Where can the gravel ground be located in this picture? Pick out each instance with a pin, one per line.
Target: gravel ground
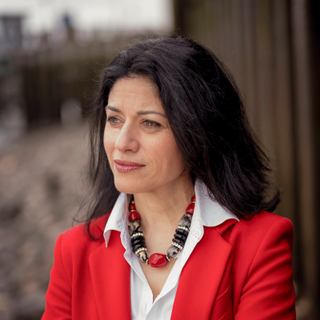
(42, 184)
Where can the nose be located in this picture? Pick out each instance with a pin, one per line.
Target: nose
(127, 139)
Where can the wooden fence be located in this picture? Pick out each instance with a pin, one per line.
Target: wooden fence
(272, 48)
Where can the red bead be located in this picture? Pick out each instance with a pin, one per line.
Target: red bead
(132, 206)
(134, 215)
(190, 208)
(193, 199)
(158, 260)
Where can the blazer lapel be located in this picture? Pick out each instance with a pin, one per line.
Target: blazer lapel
(111, 279)
(201, 277)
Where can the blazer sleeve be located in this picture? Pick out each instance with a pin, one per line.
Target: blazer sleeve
(58, 297)
(268, 292)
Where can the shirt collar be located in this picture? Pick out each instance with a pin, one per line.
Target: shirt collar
(208, 212)
(118, 219)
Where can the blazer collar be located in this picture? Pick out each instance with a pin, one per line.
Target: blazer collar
(110, 275)
(208, 265)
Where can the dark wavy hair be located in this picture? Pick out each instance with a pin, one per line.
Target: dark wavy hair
(206, 116)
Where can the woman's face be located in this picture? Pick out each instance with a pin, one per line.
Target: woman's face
(139, 143)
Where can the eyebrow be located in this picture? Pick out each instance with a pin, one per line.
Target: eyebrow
(139, 113)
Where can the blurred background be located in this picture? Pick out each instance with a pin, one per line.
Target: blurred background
(51, 56)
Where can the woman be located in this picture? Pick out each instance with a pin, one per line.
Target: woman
(180, 228)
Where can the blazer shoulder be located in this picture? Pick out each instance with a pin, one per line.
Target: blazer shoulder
(258, 226)
(247, 236)
(77, 238)
(263, 223)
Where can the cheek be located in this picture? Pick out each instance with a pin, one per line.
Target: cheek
(168, 152)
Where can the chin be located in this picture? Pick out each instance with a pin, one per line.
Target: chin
(134, 185)
(129, 187)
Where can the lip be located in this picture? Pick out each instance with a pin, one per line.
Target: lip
(127, 166)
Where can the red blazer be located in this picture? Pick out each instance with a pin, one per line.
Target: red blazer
(239, 270)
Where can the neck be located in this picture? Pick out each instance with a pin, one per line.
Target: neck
(165, 206)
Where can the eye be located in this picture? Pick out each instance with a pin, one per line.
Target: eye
(113, 120)
(151, 124)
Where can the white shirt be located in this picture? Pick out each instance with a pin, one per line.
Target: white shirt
(207, 212)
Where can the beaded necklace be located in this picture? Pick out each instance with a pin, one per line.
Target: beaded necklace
(138, 245)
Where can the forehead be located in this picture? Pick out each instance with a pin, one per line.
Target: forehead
(140, 91)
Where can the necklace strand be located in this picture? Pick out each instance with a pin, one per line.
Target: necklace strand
(138, 244)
